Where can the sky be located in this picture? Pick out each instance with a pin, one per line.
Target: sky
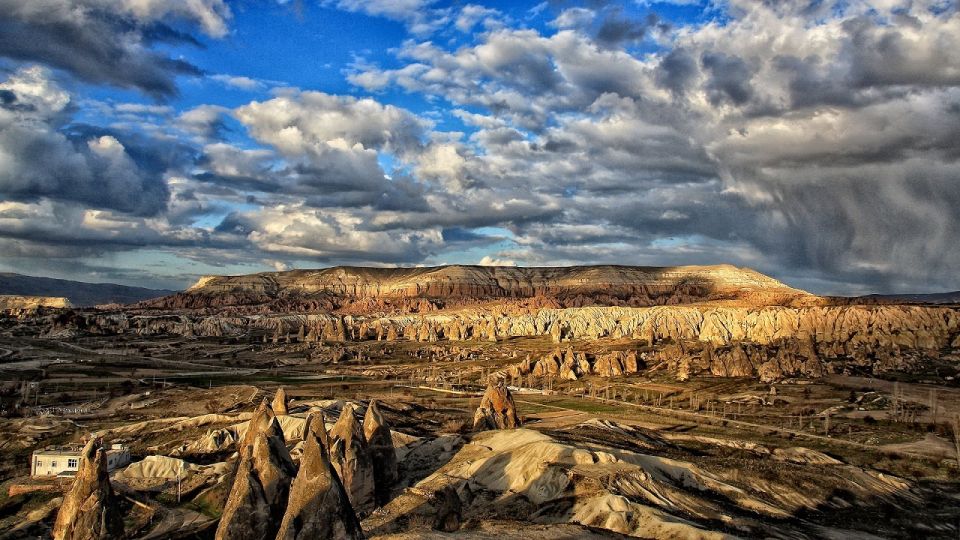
(149, 142)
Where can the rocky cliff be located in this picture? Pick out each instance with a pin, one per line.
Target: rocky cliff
(768, 342)
(16, 303)
(365, 290)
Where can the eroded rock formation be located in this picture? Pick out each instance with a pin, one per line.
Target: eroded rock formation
(318, 506)
(382, 453)
(352, 461)
(89, 510)
(258, 498)
(280, 402)
(497, 409)
(422, 289)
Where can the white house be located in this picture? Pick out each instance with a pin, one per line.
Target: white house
(65, 460)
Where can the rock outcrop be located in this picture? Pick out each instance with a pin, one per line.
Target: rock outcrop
(258, 498)
(383, 454)
(280, 402)
(318, 506)
(352, 461)
(769, 343)
(449, 509)
(89, 510)
(497, 409)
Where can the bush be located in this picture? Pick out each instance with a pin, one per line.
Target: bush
(455, 425)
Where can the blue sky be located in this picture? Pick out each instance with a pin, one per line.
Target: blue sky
(148, 142)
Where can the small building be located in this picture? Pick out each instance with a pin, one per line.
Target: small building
(65, 460)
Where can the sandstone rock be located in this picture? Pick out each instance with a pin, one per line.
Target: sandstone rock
(608, 365)
(318, 506)
(89, 510)
(448, 509)
(247, 514)
(410, 288)
(497, 409)
(258, 498)
(384, 456)
(280, 402)
(352, 461)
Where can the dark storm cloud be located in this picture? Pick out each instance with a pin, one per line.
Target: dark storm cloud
(677, 71)
(95, 45)
(616, 29)
(729, 78)
(94, 170)
(892, 55)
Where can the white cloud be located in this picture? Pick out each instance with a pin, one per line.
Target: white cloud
(490, 261)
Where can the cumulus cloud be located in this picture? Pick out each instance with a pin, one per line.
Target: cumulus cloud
(40, 160)
(490, 261)
(325, 235)
(421, 17)
(796, 136)
(817, 140)
(108, 41)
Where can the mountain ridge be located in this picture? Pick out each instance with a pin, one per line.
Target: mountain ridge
(365, 289)
(79, 293)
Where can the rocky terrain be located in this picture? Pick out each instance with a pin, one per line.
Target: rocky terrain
(90, 509)
(554, 477)
(365, 290)
(593, 402)
(17, 305)
(770, 343)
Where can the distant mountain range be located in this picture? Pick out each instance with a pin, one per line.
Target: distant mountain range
(77, 292)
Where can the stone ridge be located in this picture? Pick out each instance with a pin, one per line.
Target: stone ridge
(333, 288)
(18, 302)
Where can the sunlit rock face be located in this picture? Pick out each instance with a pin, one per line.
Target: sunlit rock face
(258, 498)
(358, 290)
(318, 506)
(497, 409)
(353, 461)
(717, 320)
(90, 509)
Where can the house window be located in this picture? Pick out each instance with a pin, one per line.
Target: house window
(72, 463)
(39, 463)
(53, 464)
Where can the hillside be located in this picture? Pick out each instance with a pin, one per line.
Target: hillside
(77, 292)
(20, 302)
(359, 289)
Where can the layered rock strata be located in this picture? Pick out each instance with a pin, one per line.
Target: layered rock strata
(357, 289)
